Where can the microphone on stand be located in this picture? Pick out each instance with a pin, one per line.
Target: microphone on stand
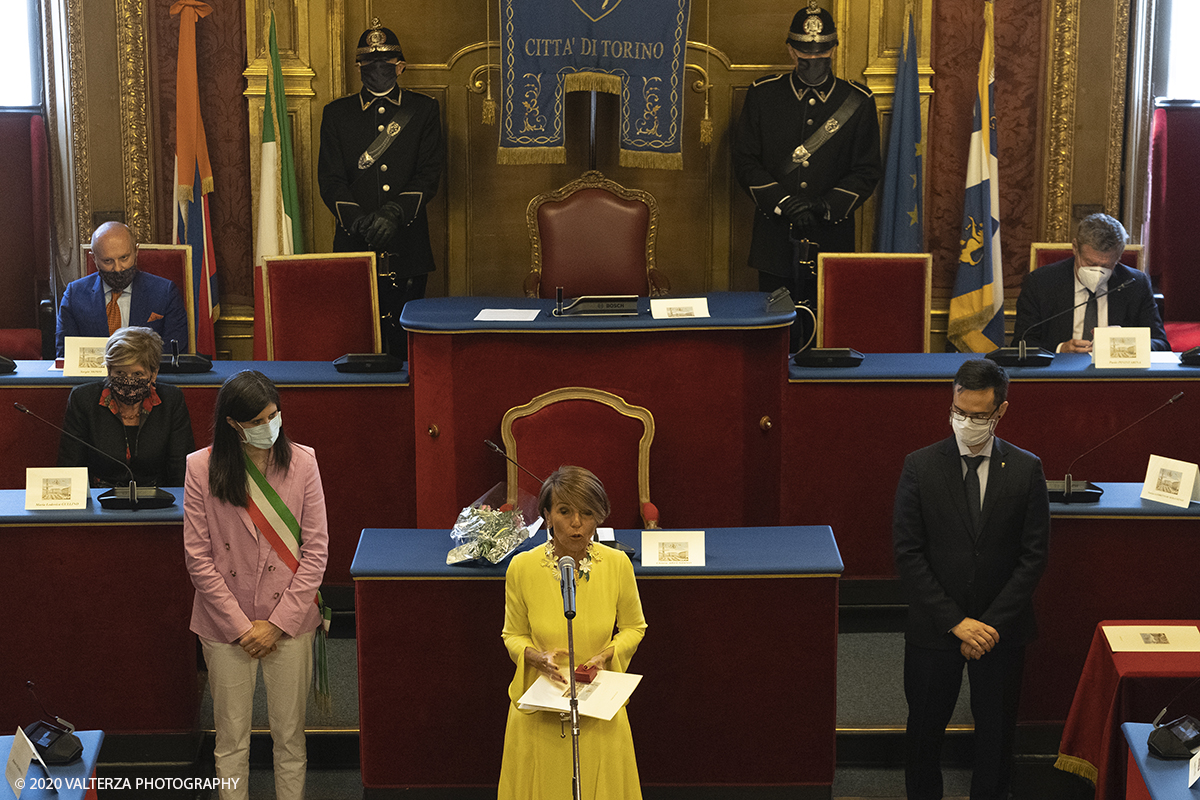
(493, 445)
(1020, 356)
(566, 576)
(1064, 491)
(151, 497)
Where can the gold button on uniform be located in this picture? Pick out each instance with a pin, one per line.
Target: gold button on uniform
(812, 101)
(383, 167)
(387, 188)
(379, 128)
(803, 184)
(380, 109)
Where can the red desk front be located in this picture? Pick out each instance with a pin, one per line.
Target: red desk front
(366, 467)
(712, 384)
(846, 432)
(1116, 688)
(99, 604)
(433, 673)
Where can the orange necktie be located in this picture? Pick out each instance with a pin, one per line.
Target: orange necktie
(114, 313)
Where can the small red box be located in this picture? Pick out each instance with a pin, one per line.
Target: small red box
(585, 674)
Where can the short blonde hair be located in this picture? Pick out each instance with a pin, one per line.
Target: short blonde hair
(578, 488)
(140, 346)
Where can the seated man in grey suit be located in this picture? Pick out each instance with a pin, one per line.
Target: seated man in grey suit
(1105, 291)
(119, 296)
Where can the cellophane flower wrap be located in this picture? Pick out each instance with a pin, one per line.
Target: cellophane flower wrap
(489, 529)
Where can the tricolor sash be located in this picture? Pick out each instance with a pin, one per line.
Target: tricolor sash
(278, 524)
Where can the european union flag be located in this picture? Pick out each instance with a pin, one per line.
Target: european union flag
(900, 228)
(977, 304)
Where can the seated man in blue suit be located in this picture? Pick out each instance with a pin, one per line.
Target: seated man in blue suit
(118, 295)
(1094, 281)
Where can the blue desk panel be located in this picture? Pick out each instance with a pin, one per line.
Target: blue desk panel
(1123, 500)
(942, 366)
(71, 780)
(412, 553)
(734, 310)
(1166, 780)
(12, 512)
(283, 373)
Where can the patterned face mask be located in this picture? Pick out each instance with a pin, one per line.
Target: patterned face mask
(128, 391)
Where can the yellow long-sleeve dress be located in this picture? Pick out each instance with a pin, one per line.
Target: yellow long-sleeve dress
(537, 761)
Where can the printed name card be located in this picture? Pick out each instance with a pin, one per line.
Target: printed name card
(49, 488)
(672, 548)
(1175, 483)
(1121, 348)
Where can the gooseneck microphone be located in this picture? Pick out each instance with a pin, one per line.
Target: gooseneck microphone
(156, 498)
(493, 445)
(1086, 493)
(1020, 356)
(566, 576)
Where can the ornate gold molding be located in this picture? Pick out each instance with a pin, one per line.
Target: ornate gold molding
(79, 119)
(1116, 117)
(1064, 33)
(135, 140)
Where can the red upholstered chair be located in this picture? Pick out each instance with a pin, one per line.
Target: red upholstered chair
(316, 307)
(170, 261)
(590, 428)
(1043, 253)
(874, 302)
(593, 236)
(21, 344)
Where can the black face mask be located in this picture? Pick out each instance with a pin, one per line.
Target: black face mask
(119, 280)
(813, 71)
(378, 76)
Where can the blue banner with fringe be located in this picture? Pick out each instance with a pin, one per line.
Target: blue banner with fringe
(634, 49)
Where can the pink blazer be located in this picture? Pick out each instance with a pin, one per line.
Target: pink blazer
(238, 577)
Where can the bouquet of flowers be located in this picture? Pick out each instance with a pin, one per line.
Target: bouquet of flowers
(490, 528)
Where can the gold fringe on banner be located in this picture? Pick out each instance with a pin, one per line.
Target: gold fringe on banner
(489, 105)
(531, 155)
(646, 160)
(1077, 766)
(592, 82)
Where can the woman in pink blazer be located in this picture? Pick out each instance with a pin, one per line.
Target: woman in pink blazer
(256, 543)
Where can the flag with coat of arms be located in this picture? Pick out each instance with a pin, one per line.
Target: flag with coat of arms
(977, 302)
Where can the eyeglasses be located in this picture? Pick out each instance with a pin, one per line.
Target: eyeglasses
(962, 417)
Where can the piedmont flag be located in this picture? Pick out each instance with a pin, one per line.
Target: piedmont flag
(192, 224)
(900, 229)
(279, 230)
(977, 304)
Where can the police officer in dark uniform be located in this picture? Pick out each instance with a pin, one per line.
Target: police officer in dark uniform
(380, 164)
(806, 149)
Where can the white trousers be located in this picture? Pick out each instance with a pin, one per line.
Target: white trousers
(232, 674)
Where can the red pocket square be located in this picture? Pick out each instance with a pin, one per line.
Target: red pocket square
(154, 317)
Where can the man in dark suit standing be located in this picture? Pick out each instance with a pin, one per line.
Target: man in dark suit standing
(971, 531)
(119, 295)
(379, 166)
(1093, 280)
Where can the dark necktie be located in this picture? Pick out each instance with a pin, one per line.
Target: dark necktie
(1091, 316)
(971, 482)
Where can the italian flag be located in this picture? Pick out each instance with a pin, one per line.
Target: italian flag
(279, 230)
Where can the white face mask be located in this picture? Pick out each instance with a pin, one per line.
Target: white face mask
(972, 432)
(263, 436)
(1094, 277)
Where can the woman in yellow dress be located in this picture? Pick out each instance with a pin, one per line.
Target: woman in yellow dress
(537, 761)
